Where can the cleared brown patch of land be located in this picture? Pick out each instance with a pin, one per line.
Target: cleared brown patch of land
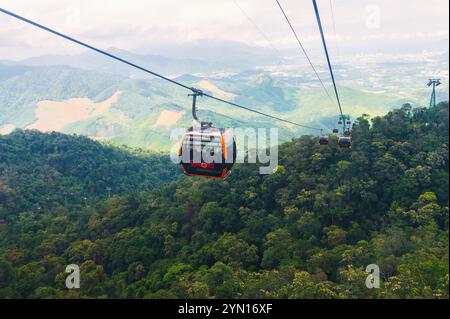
(55, 115)
(169, 118)
(208, 86)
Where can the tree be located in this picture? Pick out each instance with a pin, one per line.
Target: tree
(235, 252)
(334, 236)
(278, 248)
(425, 210)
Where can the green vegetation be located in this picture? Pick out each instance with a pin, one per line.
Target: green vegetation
(307, 231)
(131, 119)
(20, 92)
(46, 172)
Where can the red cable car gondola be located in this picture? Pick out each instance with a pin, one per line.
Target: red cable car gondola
(205, 150)
(208, 152)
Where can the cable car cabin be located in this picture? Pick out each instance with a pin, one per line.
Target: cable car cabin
(324, 140)
(345, 142)
(209, 152)
(335, 131)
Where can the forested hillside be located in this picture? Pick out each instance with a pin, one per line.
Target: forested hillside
(307, 231)
(48, 171)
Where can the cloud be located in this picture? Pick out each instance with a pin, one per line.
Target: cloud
(133, 24)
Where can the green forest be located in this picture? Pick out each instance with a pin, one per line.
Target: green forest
(139, 229)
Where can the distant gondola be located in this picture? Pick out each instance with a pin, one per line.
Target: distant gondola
(324, 140)
(345, 142)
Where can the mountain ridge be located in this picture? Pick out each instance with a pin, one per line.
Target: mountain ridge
(133, 118)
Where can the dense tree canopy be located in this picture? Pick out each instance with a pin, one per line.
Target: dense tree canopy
(40, 171)
(307, 231)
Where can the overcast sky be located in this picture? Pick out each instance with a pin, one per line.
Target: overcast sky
(139, 25)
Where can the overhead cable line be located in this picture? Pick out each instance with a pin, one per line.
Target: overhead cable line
(261, 32)
(221, 115)
(261, 113)
(194, 90)
(319, 22)
(92, 48)
(304, 50)
(334, 27)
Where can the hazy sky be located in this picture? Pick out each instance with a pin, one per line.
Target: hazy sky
(139, 25)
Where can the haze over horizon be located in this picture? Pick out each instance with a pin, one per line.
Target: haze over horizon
(236, 49)
(166, 27)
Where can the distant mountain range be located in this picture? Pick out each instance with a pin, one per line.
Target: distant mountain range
(232, 57)
(93, 61)
(91, 95)
(136, 112)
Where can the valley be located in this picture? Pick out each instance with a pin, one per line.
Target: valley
(42, 94)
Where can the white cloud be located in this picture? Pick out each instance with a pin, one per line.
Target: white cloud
(133, 24)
